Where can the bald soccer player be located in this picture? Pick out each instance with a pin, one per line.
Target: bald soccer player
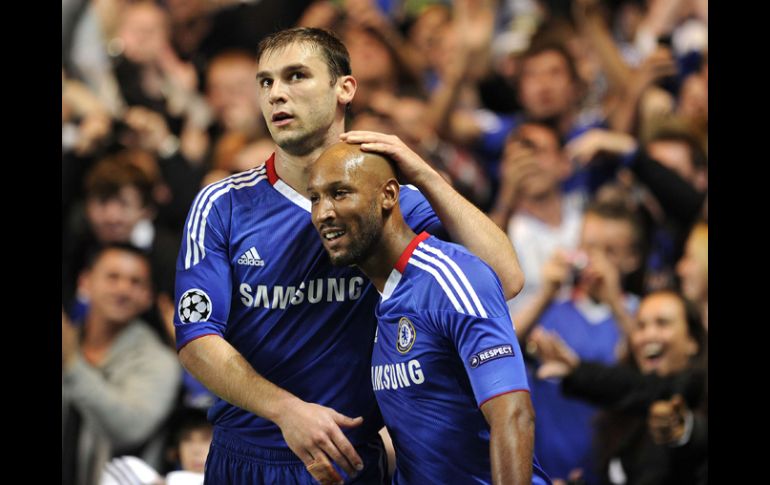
(446, 368)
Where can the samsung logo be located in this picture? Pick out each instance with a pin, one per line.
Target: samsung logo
(316, 291)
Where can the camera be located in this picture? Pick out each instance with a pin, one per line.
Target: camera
(578, 261)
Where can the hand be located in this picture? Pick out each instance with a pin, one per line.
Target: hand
(557, 359)
(149, 125)
(94, 128)
(556, 271)
(658, 65)
(601, 278)
(313, 432)
(181, 74)
(517, 165)
(585, 147)
(666, 420)
(414, 169)
(474, 22)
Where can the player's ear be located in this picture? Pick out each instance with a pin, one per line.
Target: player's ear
(346, 88)
(389, 194)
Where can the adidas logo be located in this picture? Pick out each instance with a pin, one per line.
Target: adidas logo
(251, 258)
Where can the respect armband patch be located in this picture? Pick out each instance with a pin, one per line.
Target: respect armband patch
(491, 354)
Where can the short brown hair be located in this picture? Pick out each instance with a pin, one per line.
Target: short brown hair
(333, 50)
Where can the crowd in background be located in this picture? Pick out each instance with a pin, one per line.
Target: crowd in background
(580, 127)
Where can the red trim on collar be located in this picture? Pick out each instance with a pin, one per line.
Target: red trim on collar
(272, 176)
(401, 263)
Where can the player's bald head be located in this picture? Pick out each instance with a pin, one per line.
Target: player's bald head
(357, 164)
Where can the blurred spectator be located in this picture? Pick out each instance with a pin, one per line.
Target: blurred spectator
(654, 428)
(532, 206)
(190, 436)
(405, 117)
(693, 270)
(119, 381)
(668, 180)
(119, 209)
(592, 321)
(234, 153)
(232, 95)
(151, 76)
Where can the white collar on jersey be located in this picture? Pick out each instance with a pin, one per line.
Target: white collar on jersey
(390, 284)
(283, 188)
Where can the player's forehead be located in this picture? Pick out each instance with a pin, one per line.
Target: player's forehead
(294, 53)
(337, 165)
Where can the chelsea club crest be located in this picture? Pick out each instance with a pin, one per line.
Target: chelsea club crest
(406, 335)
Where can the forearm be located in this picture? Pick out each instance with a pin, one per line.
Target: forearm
(623, 117)
(511, 452)
(223, 370)
(468, 226)
(625, 321)
(594, 29)
(678, 198)
(505, 205)
(512, 437)
(443, 101)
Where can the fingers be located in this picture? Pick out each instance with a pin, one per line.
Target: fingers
(330, 442)
(322, 470)
(368, 137)
(351, 459)
(677, 402)
(339, 449)
(371, 141)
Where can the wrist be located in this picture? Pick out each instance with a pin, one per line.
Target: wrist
(282, 408)
(428, 179)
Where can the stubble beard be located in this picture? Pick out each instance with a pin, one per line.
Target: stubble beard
(362, 247)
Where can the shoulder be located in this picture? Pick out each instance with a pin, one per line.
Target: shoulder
(224, 190)
(455, 279)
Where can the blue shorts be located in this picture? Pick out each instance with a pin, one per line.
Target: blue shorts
(233, 462)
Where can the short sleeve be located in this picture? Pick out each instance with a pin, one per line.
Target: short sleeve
(203, 284)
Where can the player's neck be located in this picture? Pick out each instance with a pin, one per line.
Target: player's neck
(396, 236)
(294, 170)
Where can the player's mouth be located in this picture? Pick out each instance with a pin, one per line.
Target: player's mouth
(332, 237)
(281, 118)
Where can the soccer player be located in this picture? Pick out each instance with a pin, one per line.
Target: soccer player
(446, 369)
(264, 320)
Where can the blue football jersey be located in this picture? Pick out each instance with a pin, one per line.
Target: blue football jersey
(445, 345)
(252, 269)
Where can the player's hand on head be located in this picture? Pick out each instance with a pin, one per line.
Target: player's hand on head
(313, 432)
(414, 169)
